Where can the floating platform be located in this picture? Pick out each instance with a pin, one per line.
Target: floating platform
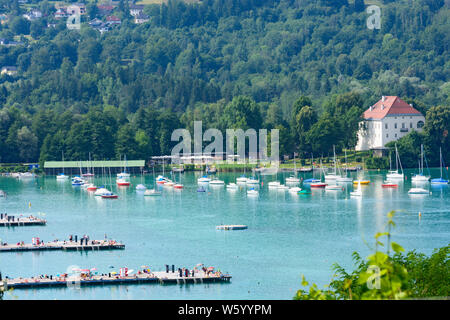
(232, 227)
(13, 221)
(155, 278)
(64, 245)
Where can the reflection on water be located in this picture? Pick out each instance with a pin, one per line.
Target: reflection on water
(288, 235)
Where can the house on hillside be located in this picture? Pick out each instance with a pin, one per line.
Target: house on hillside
(141, 18)
(61, 13)
(387, 120)
(136, 9)
(33, 15)
(76, 7)
(104, 9)
(113, 20)
(9, 70)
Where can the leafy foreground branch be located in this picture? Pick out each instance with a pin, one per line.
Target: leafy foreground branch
(385, 276)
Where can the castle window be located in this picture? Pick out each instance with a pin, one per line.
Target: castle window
(420, 124)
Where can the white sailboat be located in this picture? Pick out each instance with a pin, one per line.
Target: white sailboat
(420, 178)
(334, 175)
(293, 179)
(357, 192)
(345, 178)
(440, 180)
(394, 174)
(62, 176)
(152, 192)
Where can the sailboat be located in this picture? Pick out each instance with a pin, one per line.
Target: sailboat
(152, 192)
(345, 178)
(394, 174)
(88, 173)
(440, 180)
(334, 175)
(178, 185)
(311, 180)
(418, 191)
(357, 193)
(141, 186)
(319, 183)
(420, 177)
(243, 178)
(293, 179)
(124, 174)
(62, 176)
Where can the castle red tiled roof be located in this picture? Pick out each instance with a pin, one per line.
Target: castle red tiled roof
(392, 105)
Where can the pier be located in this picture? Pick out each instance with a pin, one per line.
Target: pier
(13, 221)
(232, 227)
(199, 277)
(63, 245)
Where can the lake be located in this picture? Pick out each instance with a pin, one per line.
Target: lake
(288, 234)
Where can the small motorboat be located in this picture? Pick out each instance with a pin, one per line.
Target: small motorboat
(62, 176)
(122, 182)
(87, 175)
(101, 191)
(344, 179)
(178, 186)
(418, 191)
(273, 184)
(232, 186)
(252, 192)
(201, 189)
(295, 190)
(292, 180)
(123, 175)
(161, 180)
(357, 192)
(318, 185)
(389, 184)
(203, 179)
(169, 183)
(334, 188)
(311, 180)
(304, 191)
(109, 195)
(77, 181)
(141, 187)
(282, 187)
(216, 182)
(418, 178)
(91, 187)
(439, 181)
(365, 182)
(251, 181)
(241, 179)
(152, 192)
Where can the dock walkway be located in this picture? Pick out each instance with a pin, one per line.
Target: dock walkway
(155, 277)
(63, 245)
(13, 221)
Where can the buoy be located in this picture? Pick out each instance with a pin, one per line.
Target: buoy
(420, 214)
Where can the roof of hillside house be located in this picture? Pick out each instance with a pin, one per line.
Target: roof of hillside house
(389, 105)
(112, 18)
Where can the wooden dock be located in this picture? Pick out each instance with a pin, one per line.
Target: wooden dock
(199, 277)
(232, 227)
(63, 245)
(13, 221)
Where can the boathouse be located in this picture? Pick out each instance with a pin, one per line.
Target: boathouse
(96, 167)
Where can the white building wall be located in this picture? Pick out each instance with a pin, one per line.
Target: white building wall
(390, 128)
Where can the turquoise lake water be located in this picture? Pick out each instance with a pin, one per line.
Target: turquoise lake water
(288, 234)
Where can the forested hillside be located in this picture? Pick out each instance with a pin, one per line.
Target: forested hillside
(124, 91)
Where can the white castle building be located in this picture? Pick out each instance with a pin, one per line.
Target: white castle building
(387, 120)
